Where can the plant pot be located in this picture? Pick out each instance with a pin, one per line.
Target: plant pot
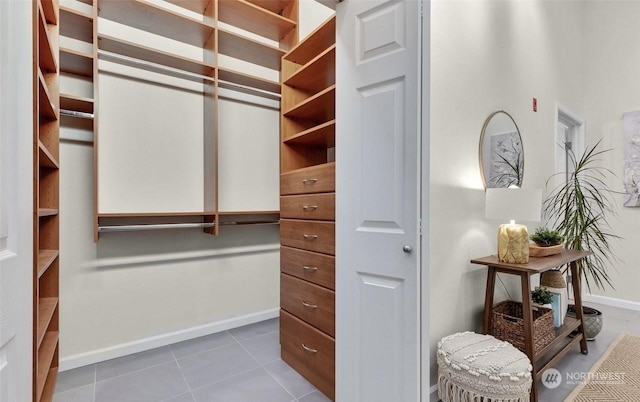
(592, 320)
(541, 251)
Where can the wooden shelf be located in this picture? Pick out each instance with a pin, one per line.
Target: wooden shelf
(320, 107)
(45, 259)
(49, 9)
(46, 55)
(322, 135)
(154, 214)
(49, 386)
(75, 62)
(314, 44)
(197, 6)
(570, 325)
(275, 6)
(317, 74)
(155, 19)
(76, 103)
(46, 308)
(46, 353)
(239, 78)
(46, 106)
(76, 24)
(258, 20)
(240, 47)
(46, 159)
(130, 49)
(230, 213)
(43, 212)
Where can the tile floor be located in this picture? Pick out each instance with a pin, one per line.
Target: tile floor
(239, 365)
(243, 365)
(615, 322)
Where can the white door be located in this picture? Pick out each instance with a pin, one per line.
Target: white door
(378, 89)
(16, 188)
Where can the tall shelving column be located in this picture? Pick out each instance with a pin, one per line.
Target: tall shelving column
(46, 199)
(307, 208)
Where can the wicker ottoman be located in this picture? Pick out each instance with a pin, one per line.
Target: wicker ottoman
(480, 368)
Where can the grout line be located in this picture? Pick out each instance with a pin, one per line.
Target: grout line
(280, 384)
(227, 378)
(182, 374)
(95, 380)
(135, 371)
(201, 351)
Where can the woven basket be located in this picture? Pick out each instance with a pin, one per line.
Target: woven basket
(553, 279)
(507, 324)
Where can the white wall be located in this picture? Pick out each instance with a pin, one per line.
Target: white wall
(611, 65)
(132, 291)
(487, 56)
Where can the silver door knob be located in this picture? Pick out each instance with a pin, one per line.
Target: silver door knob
(407, 249)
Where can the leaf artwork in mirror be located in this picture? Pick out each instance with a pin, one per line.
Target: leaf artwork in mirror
(501, 152)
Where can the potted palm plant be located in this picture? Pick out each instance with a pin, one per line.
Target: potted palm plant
(580, 210)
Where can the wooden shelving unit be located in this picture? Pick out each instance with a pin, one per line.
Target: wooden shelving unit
(307, 208)
(272, 20)
(46, 198)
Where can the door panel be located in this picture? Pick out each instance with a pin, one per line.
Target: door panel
(378, 99)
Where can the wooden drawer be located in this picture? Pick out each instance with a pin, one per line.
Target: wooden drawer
(311, 303)
(309, 351)
(310, 266)
(308, 235)
(314, 179)
(312, 206)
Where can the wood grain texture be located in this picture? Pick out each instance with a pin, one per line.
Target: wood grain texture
(318, 236)
(311, 303)
(319, 179)
(309, 206)
(313, 267)
(318, 367)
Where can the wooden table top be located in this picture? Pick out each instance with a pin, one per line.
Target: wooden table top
(535, 265)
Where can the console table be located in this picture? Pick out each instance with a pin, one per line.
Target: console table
(538, 266)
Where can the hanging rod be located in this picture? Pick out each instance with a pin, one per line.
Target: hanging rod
(74, 113)
(154, 66)
(240, 223)
(158, 226)
(177, 72)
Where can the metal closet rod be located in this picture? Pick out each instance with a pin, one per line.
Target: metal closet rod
(154, 226)
(163, 68)
(160, 226)
(73, 113)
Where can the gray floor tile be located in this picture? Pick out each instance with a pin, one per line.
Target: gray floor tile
(264, 348)
(76, 378)
(82, 394)
(134, 362)
(296, 384)
(202, 344)
(153, 384)
(609, 311)
(252, 386)
(315, 396)
(217, 364)
(258, 328)
(181, 398)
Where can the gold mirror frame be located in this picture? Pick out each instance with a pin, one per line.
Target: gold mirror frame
(511, 166)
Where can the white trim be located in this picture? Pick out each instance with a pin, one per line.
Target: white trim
(610, 301)
(141, 345)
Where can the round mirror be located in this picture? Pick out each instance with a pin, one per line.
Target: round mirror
(501, 152)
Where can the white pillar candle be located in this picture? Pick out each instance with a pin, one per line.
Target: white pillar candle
(513, 244)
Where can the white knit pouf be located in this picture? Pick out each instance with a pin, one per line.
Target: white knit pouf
(480, 368)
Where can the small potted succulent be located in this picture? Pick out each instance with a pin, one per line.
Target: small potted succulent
(545, 242)
(541, 297)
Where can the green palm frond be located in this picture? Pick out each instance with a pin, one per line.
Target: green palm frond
(579, 209)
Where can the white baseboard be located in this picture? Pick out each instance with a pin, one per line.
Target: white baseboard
(124, 349)
(610, 301)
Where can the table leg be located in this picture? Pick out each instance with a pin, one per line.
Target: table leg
(525, 279)
(577, 295)
(488, 299)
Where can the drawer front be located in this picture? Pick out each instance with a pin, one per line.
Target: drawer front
(308, 235)
(310, 266)
(314, 179)
(309, 351)
(311, 303)
(314, 206)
